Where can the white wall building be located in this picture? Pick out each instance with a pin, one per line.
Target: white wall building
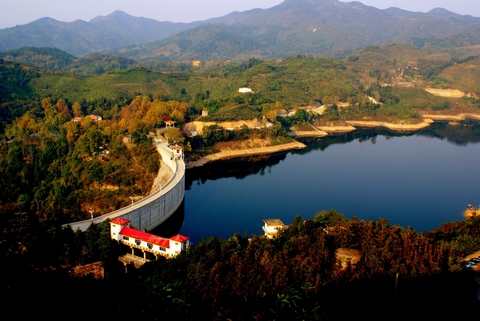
(272, 227)
(145, 242)
(244, 90)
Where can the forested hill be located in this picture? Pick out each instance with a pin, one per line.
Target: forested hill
(308, 27)
(80, 37)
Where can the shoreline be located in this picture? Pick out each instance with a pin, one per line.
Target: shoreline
(323, 131)
(245, 152)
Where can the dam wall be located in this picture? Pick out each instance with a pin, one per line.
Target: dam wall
(154, 209)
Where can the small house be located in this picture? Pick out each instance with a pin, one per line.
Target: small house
(177, 151)
(95, 117)
(347, 257)
(169, 123)
(245, 90)
(272, 227)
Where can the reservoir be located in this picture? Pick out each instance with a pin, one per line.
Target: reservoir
(418, 180)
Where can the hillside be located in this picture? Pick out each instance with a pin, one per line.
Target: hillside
(307, 27)
(292, 82)
(80, 37)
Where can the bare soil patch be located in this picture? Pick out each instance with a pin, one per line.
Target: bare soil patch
(243, 144)
(452, 93)
(199, 125)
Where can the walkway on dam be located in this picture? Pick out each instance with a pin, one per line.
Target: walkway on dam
(178, 174)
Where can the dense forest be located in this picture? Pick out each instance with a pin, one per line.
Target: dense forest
(295, 276)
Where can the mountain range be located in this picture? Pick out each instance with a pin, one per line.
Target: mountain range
(306, 27)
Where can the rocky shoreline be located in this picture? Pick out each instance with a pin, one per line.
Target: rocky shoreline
(323, 131)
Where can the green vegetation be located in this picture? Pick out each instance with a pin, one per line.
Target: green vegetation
(60, 169)
(48, 58)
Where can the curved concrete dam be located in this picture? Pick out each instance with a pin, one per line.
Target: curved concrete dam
(155, 208)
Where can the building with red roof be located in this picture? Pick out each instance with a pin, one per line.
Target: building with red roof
(149, 246)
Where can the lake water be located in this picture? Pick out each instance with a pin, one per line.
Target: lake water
(420, 180)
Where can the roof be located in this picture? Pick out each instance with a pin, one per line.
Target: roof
(120, 221)
(274, 222)
(176, 147)
(344, 252)
(180, 238)
(149, 238)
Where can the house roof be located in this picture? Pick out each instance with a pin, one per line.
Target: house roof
(149, 238)
(180, 238)
(120, 221)
(274, 222)
(176, 147)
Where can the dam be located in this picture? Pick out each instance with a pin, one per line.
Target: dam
(154, 209)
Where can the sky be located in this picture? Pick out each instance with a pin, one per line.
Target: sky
(19, 12)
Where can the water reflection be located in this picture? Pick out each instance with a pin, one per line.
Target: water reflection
(173, 224)
(420, 180)
(461, 134)
(239, 168)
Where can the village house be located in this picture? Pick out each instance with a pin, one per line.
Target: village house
(346, 257)
(95, 117)
(177, 151)
(78, 119)
(245, 90)
(144, 245)
(169, 123)
(127, 139)
(272, 227)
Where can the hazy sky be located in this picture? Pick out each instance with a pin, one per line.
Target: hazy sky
(18, 12)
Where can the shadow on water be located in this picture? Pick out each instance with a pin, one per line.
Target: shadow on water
(461, 134)
(238, 168)
(173, 224)
(362, 135)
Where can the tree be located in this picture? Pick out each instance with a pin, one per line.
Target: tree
(77, 109)
(301, 115)
(173, 136)
(73, 131)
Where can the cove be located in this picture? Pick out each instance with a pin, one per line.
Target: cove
(418, 180)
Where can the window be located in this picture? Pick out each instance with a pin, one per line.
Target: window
(162, 249)
(149, 245)
(137, 242)
(126, 238)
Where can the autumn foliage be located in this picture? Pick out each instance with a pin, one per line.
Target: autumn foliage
(298, 276)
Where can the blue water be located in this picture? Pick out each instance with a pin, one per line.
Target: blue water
(414, 181)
